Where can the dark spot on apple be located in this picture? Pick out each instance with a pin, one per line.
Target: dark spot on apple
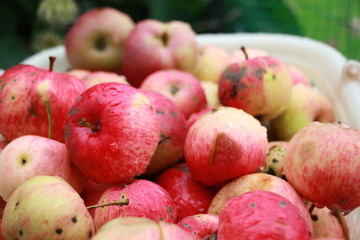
(74, 219)
(195, 98)
(1, 80)
(252, 205)
(174, 114)
(2, 86)
(235, 75)
(194, 233)
(15, 79)
(164, 37)
(90, 234)
(26, 89)
(160, 112)
(171, 212)
(21, 233)
(12, 97)
(23, 161)
(32, 112)
(32, 74)
(58, 231)
(233, 92)
(0, 101)
(16, 205)
(271, 171)
(214, 110)
(100, 43)
(282, 204)
(174, 89)
(273, 77)
(284, 177)
(275, 160)
(161, 218)
(314, 217)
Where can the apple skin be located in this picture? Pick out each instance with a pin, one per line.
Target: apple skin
(326, 224)
(154, 45)
(301, 111)
(145, 199)
(124, 134)
(238, 55)
(211, 90)
(200, 225)
(223, 144)
(274, 159)
(77, 72)
(322, 163)
(46, 207)
(25, 91)
(195, 116)
(96, 39)
(262, 215)
(97, 77)
(298, 76)
(126, 228)
(211, 61)
(255, 182)
(183, 88)
(191, 197)
(29, 156)
(260, 86)
(173, 130)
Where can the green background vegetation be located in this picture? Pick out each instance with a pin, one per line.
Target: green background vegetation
(25, 31)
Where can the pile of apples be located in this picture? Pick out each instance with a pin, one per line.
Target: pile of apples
(151, 136)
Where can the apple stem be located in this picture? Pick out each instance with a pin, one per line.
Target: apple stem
(52, 61)
(49, 115)
(119, 203)
(336, 213)
(84, 123)
(245, 53)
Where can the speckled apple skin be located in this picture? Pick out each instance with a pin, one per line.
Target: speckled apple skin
(322, 162)
(46, 207)
(173, 130)
(23, 91)
(29, 156)
(256, 182)
(191, 197)
(127, 136)
(200, 225)
(224, 144)
(260, 86)
(326, 224)
(146, 199)
(183, 88)
(138, 228)
(262, 215)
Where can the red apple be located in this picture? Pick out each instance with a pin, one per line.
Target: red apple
(322, 163)
(260, 86)
(173, 130)
(96, 40)
(223, 144)
(112, 132)
(262, 215)
(154, 45)
(195, 116)
(200, 225)
(297, 75)
(183, 88)
(35, 101)
(191, 197)
(325, 224)
(97, 77)
(144, 199)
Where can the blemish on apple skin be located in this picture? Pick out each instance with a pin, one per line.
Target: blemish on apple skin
(160, 112)
(174, 114)
(90, 234)
(32, 74)
(58, 231)
(21, 233)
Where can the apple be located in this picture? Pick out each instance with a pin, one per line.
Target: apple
(297, 75)
(195, 116)
(262, 215)
(211, 61)
(96, 40)
(223, 144)
(274, 159)
(307, 104)
(325, 224)
(46, 207)
(35, 101)
(173, 130)
(29, 156)
(191, 197)
(256, 182)
(97, 77)
(154, 45)
(200, 225)
(145, 199)
(322, 163)
(260, 86)
(140, 228)
(183, 88)
(211, 90)
(112, 132)
(77, 72)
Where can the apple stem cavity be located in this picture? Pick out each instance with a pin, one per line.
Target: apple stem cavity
(245, 53)
(49, 115)
(84, 123)
(52, 62)
(336, 213)
(121, 202)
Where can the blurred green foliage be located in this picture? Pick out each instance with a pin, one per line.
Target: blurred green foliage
(24, 30)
